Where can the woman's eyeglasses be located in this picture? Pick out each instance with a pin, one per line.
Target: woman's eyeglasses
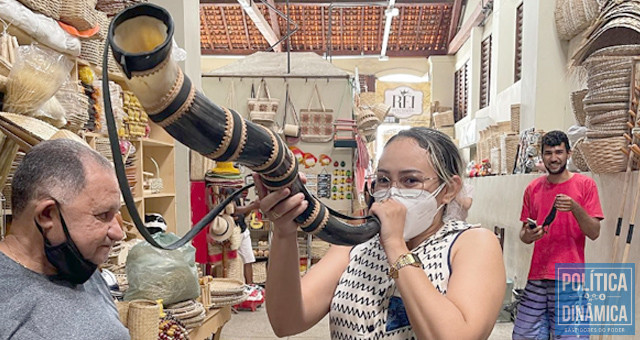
(416, 183)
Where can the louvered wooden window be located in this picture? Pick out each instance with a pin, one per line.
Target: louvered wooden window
(461, 92)
(518, 61)
(367, 82)
(485, 72)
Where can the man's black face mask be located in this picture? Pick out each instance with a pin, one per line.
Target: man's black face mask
(66, 257)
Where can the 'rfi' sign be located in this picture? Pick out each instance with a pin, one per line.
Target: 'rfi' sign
(404, 101)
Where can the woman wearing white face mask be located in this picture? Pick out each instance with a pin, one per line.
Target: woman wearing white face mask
(419, 278)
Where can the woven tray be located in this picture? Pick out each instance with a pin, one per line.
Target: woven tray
(225, 287)
(228, 300)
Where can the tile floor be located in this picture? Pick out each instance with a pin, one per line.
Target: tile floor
(246, 325)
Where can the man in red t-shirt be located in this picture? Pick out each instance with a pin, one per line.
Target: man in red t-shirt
(578, 214)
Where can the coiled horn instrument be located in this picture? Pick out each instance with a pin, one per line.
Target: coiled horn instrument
(140, 38)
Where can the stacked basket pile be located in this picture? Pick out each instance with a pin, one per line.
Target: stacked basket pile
(606, 106)
(227, 292)
(498, 143)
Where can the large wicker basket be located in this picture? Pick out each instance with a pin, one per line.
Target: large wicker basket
(573, 16)
(577, 157)
(604, 155)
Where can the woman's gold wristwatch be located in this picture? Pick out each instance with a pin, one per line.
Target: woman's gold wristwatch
(408, 259)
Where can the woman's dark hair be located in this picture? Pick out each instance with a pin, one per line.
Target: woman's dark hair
(443, 154)
(555, 138)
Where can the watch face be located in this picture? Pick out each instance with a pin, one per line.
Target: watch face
(413, 258)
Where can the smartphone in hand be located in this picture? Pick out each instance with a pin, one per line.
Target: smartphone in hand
(532, 223)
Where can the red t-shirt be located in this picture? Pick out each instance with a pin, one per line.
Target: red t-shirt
(564, 243)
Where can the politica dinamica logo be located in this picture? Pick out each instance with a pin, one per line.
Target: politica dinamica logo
(595, 298)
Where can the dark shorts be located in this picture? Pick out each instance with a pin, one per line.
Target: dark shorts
(536, 318)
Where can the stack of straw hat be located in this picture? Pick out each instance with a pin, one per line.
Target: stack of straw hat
(224, 174)
(227, 292)
(190, 313)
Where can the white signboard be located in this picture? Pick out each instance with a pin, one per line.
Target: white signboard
(404, 101)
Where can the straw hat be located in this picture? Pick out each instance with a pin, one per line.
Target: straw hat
(225, 168)
(222, 227)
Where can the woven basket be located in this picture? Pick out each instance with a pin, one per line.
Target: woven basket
(143, 319)
(578, 107)
(495, 160)
(50, 8)
(79, 14)
(495, 140)
(618, 50)
(442, 119)
(605, 107)
(123, 311)
(229, 300)
(603, 155)
(578, 158)
(508, 149)
(259, 272)
(611, 117)
(449, 131)
(381, 110)
(573, 16)
(596, 134)
(226, 286)
(515, 117)
(367, 120)
(617, 25)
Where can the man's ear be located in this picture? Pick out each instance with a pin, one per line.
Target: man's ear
(46, 213)
(452, 189)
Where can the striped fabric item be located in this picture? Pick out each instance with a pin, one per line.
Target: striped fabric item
(536, 312)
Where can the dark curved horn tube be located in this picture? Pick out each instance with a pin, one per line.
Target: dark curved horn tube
(140, 38)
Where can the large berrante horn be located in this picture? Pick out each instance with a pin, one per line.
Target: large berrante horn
(141, 39)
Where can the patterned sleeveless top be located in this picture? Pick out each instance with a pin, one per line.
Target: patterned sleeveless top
(366, 304)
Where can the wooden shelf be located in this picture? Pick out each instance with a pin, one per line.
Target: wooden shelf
(160, 195)
(156, 143)
(135, 200)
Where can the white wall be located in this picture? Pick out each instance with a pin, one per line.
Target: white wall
(442, 69)
(497, 201)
